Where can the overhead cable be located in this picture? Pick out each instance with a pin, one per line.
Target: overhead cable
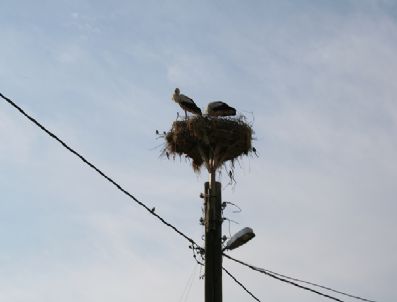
(194, 246)
(263, 270)
(91, 165)
(240, 284)
(152, 212)
(283, 280)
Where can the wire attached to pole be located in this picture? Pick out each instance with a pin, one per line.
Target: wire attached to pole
(284, 278)
(91, 165)
(194, 246)
(193, 243)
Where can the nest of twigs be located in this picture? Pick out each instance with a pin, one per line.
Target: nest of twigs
(209, 141)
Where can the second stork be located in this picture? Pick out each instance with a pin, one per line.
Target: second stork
(220, 109)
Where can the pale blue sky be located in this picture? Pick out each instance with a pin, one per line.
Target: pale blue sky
(320, 79)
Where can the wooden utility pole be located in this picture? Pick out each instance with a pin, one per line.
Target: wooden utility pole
(213, 240)
(210, 141)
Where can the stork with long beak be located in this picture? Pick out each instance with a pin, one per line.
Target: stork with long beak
(186, 103)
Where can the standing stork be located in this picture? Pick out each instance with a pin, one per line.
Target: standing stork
(186, 103)
(220, 109)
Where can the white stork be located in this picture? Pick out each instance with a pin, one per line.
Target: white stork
(186, 103)
(220, 109)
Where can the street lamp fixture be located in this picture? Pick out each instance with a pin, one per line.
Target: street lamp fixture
(239, 238)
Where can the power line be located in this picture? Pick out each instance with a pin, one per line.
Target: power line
(152, 212)
(119, 187)
(283, 280)
(188, 286)
(194, 246)
(241, 285)
(263, 270)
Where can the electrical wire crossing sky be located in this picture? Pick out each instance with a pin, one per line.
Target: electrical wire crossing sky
(316, 80)
(194, 246)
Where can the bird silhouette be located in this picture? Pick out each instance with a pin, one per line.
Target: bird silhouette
(220, 109)
(186, 103)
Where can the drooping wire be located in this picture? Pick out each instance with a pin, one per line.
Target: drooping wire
(229, 222)
(240, 284)
(198, 252)
(262, 270)
(189, 283)
(288, 280)
(152, 212)
(223, 207)
(225, 203)
(91, 165)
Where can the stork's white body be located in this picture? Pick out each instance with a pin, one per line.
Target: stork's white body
(186, 103)
(220, 109)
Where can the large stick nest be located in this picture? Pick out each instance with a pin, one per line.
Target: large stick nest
(209, 141)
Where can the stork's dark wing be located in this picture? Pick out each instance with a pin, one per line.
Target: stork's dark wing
(190, 105)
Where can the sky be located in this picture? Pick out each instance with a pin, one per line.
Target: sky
(316, 79)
